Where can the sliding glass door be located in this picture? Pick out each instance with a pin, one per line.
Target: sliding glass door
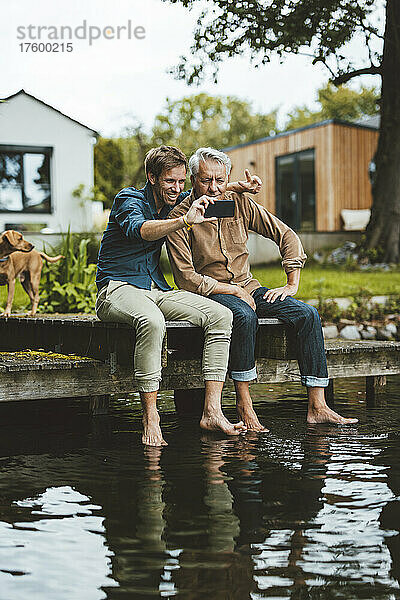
(295, 189)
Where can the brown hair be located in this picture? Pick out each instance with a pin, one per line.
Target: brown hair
(163, 157)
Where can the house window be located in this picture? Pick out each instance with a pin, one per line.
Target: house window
(25, 179)
(295, 189)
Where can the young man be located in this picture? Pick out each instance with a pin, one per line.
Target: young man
(212, 260)
(132, 288)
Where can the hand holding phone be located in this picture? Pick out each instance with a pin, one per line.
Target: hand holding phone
(220, 209)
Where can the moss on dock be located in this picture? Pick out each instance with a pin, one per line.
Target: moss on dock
(41, 355)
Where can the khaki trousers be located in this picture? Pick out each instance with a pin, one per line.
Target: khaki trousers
(146, 311)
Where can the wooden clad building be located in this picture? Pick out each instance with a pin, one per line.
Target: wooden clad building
(311, 174)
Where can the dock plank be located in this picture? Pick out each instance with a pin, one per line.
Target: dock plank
(96, 359)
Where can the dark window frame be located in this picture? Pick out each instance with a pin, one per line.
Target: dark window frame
(18, 149)
(278, 200)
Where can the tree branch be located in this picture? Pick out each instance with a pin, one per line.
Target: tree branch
(347, 76)
(322, 60)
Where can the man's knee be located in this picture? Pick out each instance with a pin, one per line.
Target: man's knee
(222, 317)
(151, 325)
(311, 312)
(245, 319)
(309, 315)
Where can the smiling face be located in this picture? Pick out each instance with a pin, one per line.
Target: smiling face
(211, 179)
(168, 186)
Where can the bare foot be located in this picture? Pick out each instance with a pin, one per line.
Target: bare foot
(326, 415)
(152, 435)
(218, 422)
(250, 419)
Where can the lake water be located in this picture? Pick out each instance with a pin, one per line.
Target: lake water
(304, 512)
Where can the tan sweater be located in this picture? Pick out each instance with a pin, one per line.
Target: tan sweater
(216, 251)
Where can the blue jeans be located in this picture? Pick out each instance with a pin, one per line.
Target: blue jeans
(304, 319)
(242, 365)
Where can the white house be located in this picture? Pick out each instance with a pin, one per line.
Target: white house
(44, 156)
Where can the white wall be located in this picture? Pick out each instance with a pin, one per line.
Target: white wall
(26, 122)
(263, 251)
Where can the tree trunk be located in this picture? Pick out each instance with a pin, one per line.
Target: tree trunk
(383, 230)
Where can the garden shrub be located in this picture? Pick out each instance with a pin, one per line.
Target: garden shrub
(69, 285)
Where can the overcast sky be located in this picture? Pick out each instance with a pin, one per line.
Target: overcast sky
(103, 83)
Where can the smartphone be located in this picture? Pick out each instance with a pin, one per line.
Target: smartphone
(221, 208)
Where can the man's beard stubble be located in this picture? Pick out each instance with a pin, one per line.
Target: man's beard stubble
(163, 196)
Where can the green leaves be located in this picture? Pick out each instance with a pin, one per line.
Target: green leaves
(337, 103)
(217, 121)
(263, 28)
(69, 285)
(189, 123)
(108, 168)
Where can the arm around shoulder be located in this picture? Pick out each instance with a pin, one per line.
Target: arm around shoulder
(261, 221)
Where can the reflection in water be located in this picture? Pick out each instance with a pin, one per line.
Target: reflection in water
(150, 509)
(151, 523)
(302, 512)
(223, 524)
(279, 562)
(61, 527)
(390, 514)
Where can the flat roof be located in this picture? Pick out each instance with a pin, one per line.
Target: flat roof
(312, 126)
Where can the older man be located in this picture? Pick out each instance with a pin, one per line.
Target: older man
(132, 288)
(212, 260)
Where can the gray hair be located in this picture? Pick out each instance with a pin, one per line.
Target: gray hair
(209, 154)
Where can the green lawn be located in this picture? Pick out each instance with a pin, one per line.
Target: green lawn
(328, 282)
(21, 299)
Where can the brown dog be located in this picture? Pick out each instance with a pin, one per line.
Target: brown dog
(11, 241)
(26, 264)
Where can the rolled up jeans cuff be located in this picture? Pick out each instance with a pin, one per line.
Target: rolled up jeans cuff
(310, 381)
(249, 375)
(147, 386)
(214, 376)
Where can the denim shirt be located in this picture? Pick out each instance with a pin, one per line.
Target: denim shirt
(124, 255)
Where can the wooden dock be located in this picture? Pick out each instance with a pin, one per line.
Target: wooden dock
(69, 356)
